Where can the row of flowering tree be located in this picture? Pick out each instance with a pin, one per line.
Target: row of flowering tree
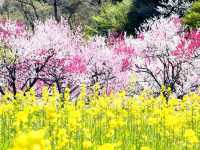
(164, 53)
(54, 54)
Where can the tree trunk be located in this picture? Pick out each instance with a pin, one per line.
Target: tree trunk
(55, 6)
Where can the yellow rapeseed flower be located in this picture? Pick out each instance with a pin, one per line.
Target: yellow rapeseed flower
(33, 140)
(191, 136)
(87, 144)
(145, 148)
(106, 146)
(22, 116)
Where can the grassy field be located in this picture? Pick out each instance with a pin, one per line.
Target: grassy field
(113, 122)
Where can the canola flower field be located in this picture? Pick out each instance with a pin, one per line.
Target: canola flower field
(114, 122)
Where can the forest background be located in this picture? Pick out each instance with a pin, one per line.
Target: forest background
(96, 16)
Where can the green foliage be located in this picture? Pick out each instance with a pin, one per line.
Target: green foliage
(111, 17)
(192, 17)
(23, 10)
(6, 55)
(76, 11)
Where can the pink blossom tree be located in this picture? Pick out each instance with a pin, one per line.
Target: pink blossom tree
(9, 61)
(167, 55)
(111, 62)
(55, 54)
(78, 60)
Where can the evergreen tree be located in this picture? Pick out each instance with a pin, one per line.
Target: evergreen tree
(192, 16)
(112, 16)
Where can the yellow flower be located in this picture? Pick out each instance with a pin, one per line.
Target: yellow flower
(110, 133)
(74, 120)
(67, 94)
(6, 108)
(51, 113)
(87, 144)
(22, 116)
(152, 121)
(107, 146)
(87, 133)
(145, 148)
(83, 92)
(116, 123)
(33, 140)
(190, 136)
(173, 102)
(62, 138)
(110, 114)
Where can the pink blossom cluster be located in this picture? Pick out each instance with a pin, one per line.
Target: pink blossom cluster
(188, 45)
(11, 29)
